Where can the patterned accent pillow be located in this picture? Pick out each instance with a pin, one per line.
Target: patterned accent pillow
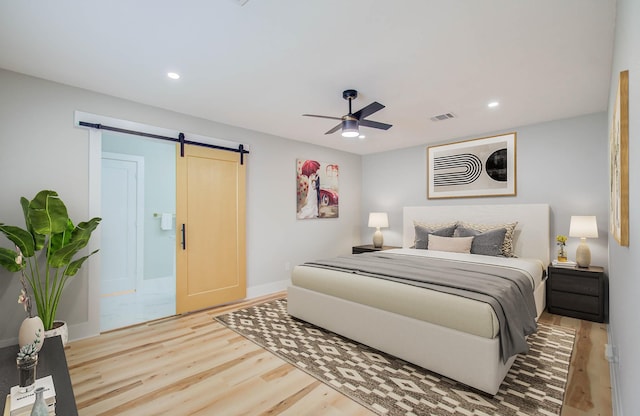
(451, 244)
(507, 244)
(422, 231)
(488, 243)
(435, 226)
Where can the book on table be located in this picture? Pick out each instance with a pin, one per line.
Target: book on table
(570, 264)
(51, 410)
(21, 403)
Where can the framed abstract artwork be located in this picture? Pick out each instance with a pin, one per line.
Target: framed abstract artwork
(472, 168)
(619, 163)
(316, 189)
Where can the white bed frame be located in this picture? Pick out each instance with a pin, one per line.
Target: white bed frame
(470, 359)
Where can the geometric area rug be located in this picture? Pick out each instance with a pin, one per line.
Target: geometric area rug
(387, 385)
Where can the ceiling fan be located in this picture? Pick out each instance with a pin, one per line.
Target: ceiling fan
(351, 121)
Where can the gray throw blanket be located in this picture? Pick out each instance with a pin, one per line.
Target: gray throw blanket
(507, 290)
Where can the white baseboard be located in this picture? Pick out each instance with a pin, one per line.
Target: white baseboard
(8, 342)
(613, 374)
(76, 332)
(83, 330)
(268, 288)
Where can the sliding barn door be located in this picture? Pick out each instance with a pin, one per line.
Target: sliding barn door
(210, 234)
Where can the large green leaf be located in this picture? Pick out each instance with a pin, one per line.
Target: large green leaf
(75, 265)
(64, 255)
(62, 239)
(79, 239)
(8, 260)
(38, 239)
(21, 238)
(83, 231)
(47, 213)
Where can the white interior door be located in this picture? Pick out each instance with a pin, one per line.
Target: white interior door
(122, 225)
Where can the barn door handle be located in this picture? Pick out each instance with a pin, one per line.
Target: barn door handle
(184, 241)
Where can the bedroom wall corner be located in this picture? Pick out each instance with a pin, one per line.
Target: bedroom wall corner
(562, 163)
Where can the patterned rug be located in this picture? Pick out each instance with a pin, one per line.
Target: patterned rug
(389, 386)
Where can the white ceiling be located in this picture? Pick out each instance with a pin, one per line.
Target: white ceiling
(262, 65)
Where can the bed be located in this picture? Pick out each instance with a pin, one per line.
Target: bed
(454, 336)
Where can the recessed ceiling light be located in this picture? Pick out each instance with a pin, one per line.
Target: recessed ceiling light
(493, 104)
(173, 75)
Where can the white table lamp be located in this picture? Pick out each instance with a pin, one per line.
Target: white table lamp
(583, 226)
(378, 220)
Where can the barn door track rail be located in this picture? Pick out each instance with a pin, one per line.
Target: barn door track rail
(181, 139)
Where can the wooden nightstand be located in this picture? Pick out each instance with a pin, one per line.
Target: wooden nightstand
(578, 292)
(369, 248)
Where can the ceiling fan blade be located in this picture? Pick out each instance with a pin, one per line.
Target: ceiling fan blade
(368, 110)
(315, 115)
(375, 124)
(335, 129)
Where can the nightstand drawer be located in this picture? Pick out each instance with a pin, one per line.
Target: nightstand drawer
(575, 284)
(578, 292)
(575, 302)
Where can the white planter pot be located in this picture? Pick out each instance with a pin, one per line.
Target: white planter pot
(28, 330)
(59, 328)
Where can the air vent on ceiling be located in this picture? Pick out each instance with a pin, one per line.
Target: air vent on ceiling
(441, 117)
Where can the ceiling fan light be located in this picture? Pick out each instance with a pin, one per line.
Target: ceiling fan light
(350, 128)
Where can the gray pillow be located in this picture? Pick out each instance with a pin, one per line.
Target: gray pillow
(488, 243)
(422, 234)
(507, 244)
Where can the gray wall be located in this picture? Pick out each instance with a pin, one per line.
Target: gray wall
(41, 149)
(562, 163)
(624, 262)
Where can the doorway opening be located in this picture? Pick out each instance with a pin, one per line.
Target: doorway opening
(138, 240)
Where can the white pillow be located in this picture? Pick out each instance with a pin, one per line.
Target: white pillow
(452, 244)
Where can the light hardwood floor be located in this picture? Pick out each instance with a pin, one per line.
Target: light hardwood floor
(589, 387)
(192, 365)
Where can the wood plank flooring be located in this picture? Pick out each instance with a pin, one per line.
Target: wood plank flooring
(588, 390)
(192, 365)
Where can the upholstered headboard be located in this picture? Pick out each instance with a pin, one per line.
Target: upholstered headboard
(531, 235)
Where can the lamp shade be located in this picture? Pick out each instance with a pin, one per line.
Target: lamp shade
(583, 226)
(378, 219)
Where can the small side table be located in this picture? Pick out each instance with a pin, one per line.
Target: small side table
(368, 248)
(578, 292)
(51, 361)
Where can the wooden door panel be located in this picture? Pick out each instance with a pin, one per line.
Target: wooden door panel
(211, 270)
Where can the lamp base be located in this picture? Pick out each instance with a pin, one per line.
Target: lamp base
(377, 239)
(583, 254)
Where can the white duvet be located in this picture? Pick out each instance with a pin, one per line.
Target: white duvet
(439, 308)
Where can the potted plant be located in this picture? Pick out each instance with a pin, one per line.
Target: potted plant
(32, 326)
(27, 360)
(45, 250)
(561, 240)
